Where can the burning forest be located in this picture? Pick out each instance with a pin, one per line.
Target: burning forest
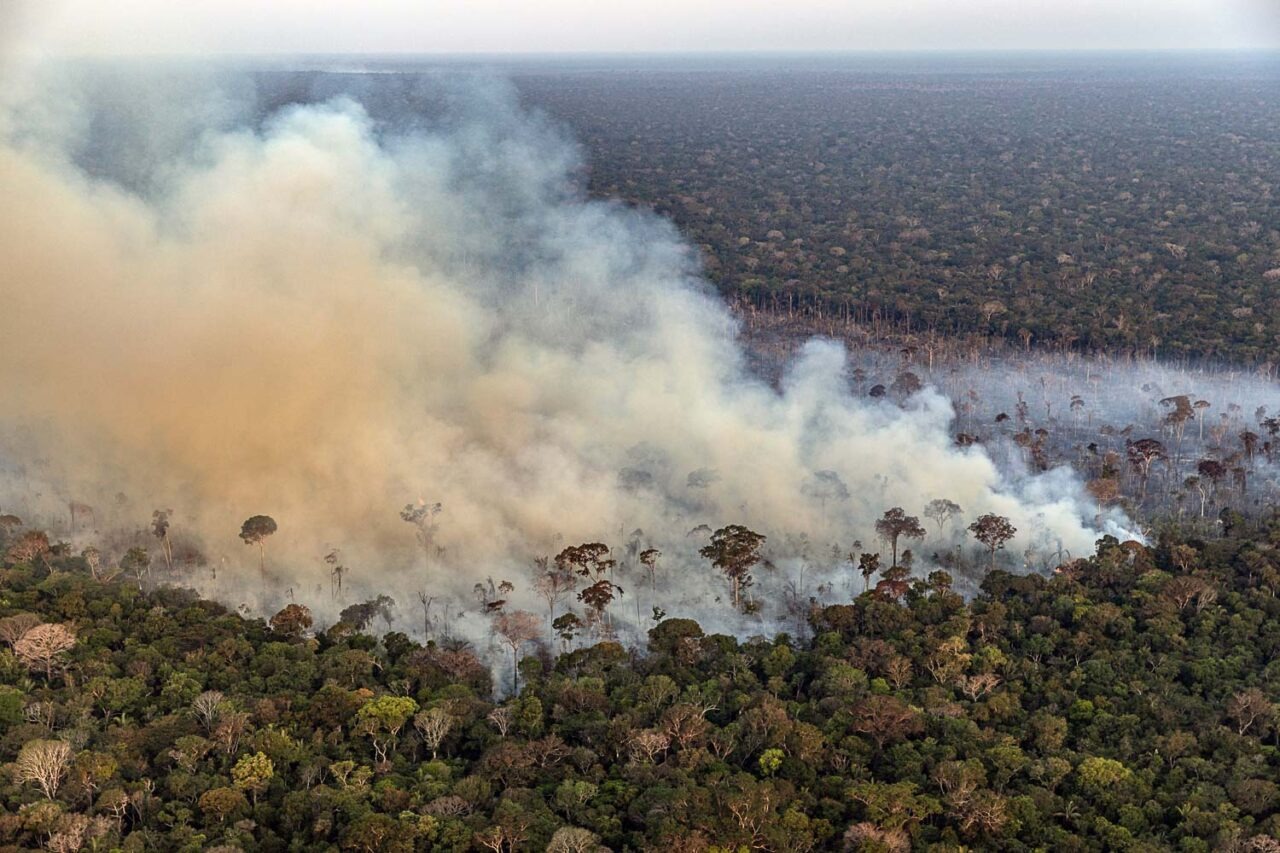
(327, 320)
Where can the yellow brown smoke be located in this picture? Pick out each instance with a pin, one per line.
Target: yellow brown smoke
(315, 321)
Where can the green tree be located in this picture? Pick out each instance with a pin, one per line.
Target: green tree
(1097, 773)
(381, 720)
(897, 805)
(253, 773)
(770, 760)
(221, 804)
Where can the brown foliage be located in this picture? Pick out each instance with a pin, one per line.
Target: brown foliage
(42, 646)
(886, 719)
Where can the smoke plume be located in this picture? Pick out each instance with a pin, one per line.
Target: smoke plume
(315, 317)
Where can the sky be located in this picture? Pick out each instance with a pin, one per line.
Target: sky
(144, 27)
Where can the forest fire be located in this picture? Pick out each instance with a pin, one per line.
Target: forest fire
(322, 318)
(607, 451)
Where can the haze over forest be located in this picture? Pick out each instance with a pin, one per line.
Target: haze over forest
(575, 443)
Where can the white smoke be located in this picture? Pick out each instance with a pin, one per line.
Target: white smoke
(315, 318)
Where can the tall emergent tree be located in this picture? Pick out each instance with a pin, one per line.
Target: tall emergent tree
(592, 560)
(868, 564)
(553, 584)
(649, 559)
(895, 524)
(735, 550)
(941, 511)
(422, 515)
(597, 598)
(255, 531)
(517, 628)
(993, 531)
(1142, 455)
(160, 529)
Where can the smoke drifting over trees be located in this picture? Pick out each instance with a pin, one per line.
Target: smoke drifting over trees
(319, 318)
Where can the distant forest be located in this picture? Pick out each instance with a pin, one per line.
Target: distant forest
(1099, 204)
(1105, 204)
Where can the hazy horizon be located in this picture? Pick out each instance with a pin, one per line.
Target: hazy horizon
(571, 27)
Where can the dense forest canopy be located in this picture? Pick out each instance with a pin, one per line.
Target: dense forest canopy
(1102, 203)
(1123, 703)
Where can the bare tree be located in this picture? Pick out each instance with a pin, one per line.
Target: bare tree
(43, 763)
(207, 709)
(885, 719)
(501, 717)
(433, 725)
(73, 830)
(230, 729)
(42, 646)
(29, 547)
(1249, 707)
(136, 563)
(573, 839)
(553, 584)
(898, 671)
(517, 628)
(13, 627)
(941, 511)
(93, 559)
(1202, 405)
(426, 601)
(1186, 590)
(333, 559)
(498, 838)
(646, 745)
(975, 686)
(868, 836)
